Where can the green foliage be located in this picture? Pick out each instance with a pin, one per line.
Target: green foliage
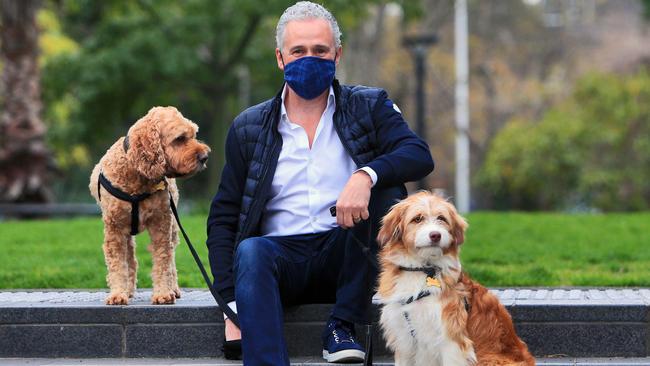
(133, 55)
(593, 150)
(502, 249)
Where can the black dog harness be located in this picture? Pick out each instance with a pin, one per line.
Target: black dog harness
(135, 199)
(431, 272)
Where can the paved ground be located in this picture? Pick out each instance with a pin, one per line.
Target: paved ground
(198, 297)
(297, 362)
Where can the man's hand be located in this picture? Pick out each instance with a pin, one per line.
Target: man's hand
(232, 332)
(352, 205)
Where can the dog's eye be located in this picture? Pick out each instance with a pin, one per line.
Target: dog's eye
(442, 218)
(180, 139)
(418, 219)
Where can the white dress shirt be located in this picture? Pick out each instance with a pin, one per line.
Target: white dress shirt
(307, 182)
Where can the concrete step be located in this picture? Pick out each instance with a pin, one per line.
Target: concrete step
(76, 323)
(295, 362)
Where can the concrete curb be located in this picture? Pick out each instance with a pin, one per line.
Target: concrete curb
(51, 324)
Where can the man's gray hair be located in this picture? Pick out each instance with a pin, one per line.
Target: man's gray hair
(306, 10)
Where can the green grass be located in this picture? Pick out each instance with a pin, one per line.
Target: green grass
(550, 249)
(502, 249)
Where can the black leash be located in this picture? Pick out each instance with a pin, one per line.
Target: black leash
(367, 252)
(223, 305)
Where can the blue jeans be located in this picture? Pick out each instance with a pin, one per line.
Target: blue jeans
(272, 272)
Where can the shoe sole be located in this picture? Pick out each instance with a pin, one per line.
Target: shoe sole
(348, 355)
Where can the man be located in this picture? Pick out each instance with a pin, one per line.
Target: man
(272, 237)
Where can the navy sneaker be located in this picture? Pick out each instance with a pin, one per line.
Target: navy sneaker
(339, 344)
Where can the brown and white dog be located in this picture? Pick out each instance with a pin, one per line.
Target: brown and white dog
(158, 147)
(433, 313)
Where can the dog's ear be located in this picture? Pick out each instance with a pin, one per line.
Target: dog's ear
(145, 147)
(391, 230)
(458, 226)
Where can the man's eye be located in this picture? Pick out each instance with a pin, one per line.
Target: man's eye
(418, 219)
(441, 218)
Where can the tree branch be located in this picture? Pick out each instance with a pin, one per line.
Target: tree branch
(231, 60)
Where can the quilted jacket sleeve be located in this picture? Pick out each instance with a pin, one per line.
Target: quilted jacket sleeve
(224, 218)
(404, 157)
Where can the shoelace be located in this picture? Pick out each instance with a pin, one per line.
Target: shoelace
(346, 333)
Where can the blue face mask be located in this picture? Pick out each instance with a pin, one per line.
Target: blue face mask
(309, 76)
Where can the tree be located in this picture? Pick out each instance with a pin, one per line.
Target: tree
(25, 161)
(593, 151)
(199, 55)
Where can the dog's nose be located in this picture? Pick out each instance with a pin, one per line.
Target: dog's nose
(202, 158)
(435, 236)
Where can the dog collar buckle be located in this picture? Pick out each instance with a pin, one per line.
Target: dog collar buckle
(433, 282)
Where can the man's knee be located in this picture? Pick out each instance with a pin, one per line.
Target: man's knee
(254, 254)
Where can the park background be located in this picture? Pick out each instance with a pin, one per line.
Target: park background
(559, 121)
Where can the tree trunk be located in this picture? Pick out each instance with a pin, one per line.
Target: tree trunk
(25, 162)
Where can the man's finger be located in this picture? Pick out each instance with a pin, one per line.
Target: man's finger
(347, 220)
(365, 214)
(340, 214)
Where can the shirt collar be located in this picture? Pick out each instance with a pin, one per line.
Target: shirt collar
(331, 102)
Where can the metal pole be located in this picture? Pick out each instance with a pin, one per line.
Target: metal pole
(461, 54)
(420, 97)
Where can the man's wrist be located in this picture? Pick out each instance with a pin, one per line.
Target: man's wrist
(366, 176)
(370, 173)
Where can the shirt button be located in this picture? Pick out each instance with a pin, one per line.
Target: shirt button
(314, 219)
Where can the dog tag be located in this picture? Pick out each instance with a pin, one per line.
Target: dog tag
(160, 186)
(432, 281)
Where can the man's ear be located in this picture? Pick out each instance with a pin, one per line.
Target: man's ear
(391, 230)
(145, 148)
(337, 57)
(279, 59)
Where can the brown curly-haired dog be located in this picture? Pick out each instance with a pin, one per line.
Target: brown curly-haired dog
(158, 147)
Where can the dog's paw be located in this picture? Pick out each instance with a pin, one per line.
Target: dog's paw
(163, 298)
(118, 298)
(177, 292)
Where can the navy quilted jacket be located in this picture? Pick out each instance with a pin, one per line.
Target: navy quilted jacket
(371, 130)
